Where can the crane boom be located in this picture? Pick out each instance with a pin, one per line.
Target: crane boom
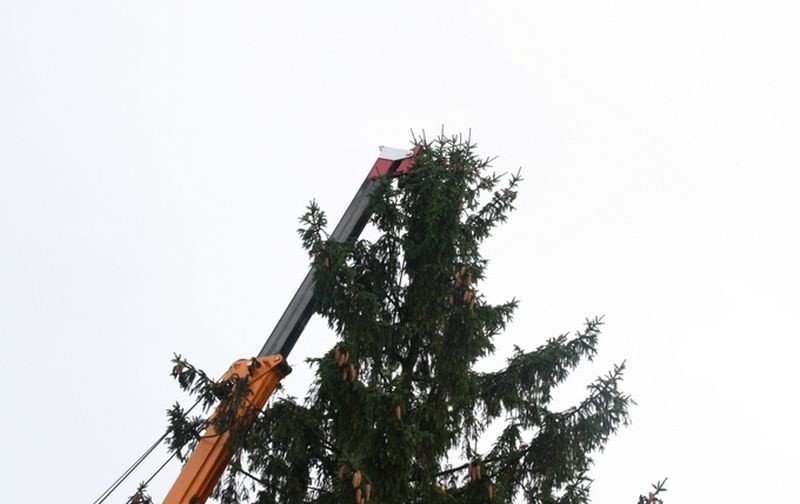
(205, 466)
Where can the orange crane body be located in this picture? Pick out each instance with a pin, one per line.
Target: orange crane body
(205, 466)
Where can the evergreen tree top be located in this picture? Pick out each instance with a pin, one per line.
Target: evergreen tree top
(397, 408)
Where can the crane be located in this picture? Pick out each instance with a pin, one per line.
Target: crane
(208, 461)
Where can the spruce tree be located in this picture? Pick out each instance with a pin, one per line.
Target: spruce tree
(397, 412)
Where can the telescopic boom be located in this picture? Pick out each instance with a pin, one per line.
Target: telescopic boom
(205, 466)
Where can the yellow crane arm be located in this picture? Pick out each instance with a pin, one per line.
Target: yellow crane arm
(205, 466)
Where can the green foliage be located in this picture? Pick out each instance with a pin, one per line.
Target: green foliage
(397, 407)
(140, 497)
(653, 496)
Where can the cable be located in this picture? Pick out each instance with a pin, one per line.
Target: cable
(108, 491)
(169, 459)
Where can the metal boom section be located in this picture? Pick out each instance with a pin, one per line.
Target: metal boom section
(391, 162)
(212, 454)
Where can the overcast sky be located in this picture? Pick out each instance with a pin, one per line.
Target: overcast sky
(154, 157)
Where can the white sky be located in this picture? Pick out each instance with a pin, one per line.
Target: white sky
(154, 157)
